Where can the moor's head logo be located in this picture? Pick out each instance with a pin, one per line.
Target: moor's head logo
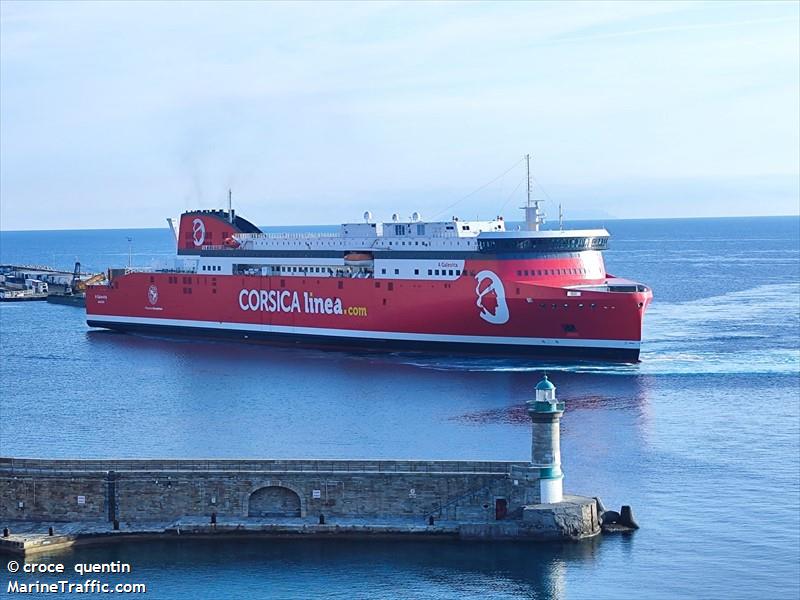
(152, 294)
(198, 232)
(491, 298)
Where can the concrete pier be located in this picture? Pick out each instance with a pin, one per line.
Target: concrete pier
(99, 501)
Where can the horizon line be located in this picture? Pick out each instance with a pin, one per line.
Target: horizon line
(508, 221)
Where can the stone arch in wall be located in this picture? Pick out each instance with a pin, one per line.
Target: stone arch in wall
(274, 501)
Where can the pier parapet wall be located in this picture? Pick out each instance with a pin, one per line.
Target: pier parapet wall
(140, 490)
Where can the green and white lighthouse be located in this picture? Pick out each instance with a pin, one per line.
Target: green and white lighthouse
(545, 412)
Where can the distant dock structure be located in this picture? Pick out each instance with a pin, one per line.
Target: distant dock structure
(31, 282)
(49, 504)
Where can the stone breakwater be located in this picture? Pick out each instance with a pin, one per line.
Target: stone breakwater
(95, 500)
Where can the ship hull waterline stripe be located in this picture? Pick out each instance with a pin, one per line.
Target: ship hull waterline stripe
(382, 345)
(99, 320)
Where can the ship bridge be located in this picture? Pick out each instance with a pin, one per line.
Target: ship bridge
(574, 240)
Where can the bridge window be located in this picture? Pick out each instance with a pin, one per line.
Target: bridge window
(416, 271)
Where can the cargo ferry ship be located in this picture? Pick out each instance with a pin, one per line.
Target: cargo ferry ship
(408, 284)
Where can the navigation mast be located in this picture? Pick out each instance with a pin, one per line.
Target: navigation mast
(533, 216)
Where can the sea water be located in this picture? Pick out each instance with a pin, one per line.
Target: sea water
(702, 437)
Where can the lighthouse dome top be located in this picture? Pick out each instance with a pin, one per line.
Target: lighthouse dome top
(545, 384)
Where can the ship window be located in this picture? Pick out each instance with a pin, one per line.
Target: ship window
(420, 229)
(384, 301)
(152, 279)
(377, 284)
(594, 305)
(539, 272)
(519, 273)
(390, 286)
(437, 271)
(397, 271)
(450, 272)
(416, 271)
(341, 285)
(213, 290)
(430, 272)
(283, 283)
(383, 271)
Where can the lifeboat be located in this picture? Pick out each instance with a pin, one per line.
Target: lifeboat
(357, 258)
(231, 242)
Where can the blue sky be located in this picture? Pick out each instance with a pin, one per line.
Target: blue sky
(120, 114)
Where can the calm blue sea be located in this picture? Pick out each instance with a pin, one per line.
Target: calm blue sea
(702, 437)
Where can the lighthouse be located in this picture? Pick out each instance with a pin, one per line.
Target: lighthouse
(545, 412)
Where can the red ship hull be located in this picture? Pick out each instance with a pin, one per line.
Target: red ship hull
(543, 319)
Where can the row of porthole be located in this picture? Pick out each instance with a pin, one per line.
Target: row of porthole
(540, 272)
(593, 306)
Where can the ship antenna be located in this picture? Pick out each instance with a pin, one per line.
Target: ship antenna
(528, 167)
(230, 205)
(560, 217)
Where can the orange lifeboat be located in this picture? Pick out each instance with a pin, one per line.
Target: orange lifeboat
(357, 258)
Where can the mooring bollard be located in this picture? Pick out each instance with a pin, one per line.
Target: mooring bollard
(116, 525)
(49, 531)
(322, 519)
(6, 532)
(430, 520)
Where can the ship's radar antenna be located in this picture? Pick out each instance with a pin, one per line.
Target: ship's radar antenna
(560, 217)
(367, 216)
(230, 206)
(533, 216)
(415, 216)
(395, 217)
